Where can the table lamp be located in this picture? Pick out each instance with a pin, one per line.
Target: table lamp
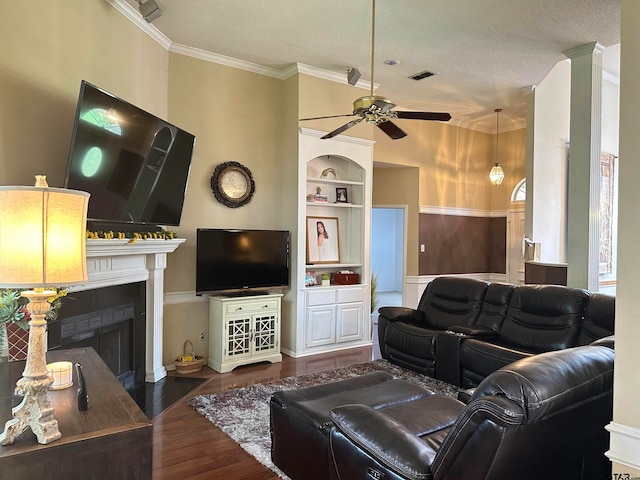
(42, 245)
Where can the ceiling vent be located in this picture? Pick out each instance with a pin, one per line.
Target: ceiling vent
(421, 75)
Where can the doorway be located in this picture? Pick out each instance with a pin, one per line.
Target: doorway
(388, 254)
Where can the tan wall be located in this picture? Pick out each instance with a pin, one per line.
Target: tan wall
(243, 125)
(447, 157)
(448, 173)
(400, 186)
(47, 49)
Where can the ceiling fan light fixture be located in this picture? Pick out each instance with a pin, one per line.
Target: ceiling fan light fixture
(496, 175)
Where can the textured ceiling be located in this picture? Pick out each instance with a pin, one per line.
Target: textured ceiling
(483, 52)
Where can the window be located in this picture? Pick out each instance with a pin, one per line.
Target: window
(519, 193)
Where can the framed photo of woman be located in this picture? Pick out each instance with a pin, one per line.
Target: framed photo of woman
(322, 240)
(341, 195)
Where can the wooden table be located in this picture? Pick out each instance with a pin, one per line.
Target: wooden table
(111, 440)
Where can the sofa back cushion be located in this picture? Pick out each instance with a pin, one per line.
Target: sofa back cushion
(495, 305)
(541, 318)
(599, 318)
(548, 383)
(452, 301)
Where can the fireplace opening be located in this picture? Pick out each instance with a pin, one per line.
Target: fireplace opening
(112, 321)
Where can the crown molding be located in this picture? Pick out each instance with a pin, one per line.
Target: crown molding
(462, 212)
(226, 61)
(136, 17)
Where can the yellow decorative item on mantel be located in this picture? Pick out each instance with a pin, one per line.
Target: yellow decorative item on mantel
(131, 236)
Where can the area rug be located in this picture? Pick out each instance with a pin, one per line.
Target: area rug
(243, 414)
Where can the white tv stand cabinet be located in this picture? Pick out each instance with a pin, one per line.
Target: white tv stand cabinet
(244, 330)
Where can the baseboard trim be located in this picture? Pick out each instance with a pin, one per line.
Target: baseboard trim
(624, 445)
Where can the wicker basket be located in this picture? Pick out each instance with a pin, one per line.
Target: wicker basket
(192, 366)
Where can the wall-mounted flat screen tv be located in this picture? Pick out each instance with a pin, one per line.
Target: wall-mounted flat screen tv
(134, 164)
(241, 261)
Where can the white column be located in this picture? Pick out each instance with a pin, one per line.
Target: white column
(154, 369)
(625, 428)
(583, 225)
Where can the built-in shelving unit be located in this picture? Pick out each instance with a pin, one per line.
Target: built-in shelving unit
(332, 317)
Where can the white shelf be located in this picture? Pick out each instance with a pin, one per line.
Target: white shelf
(334, 182)
(333, 205)
(315, 266)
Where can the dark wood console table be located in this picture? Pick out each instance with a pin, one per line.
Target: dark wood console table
(111, 440)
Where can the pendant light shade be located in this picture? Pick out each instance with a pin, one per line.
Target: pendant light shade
(496, 175)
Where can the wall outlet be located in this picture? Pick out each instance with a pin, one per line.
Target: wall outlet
(201, 335)
(422, 248)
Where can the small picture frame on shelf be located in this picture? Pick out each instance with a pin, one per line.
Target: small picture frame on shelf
(322, 240)
(341, 195)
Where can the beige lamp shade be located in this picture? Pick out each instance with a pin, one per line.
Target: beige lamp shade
(42, 237)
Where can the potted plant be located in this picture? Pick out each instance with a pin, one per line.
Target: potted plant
(14, 319)
(374, 292)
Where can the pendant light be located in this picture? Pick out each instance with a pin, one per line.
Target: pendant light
(496, 175)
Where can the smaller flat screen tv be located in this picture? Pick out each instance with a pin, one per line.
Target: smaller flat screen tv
(241, 261)
(134, 164)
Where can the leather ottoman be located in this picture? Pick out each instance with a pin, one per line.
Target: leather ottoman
(301, 423)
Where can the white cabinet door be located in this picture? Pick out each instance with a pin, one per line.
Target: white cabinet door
(349, 322)
(266, 333)
(237, 341)
(321, 321)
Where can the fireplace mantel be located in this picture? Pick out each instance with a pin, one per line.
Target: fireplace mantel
(118, 262)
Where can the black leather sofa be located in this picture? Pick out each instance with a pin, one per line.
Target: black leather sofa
(464, 329)
(541, 417)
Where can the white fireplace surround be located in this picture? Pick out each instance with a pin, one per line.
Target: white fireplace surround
(118, 262)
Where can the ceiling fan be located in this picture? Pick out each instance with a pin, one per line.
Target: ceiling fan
(377, 109)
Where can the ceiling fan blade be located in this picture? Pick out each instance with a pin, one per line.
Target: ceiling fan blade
(330, 116)
(442, 117)
(392, 130)
(344, 127)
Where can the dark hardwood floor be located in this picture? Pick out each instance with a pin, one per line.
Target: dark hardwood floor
(187, 446)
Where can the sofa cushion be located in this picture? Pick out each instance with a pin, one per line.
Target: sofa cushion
(495, 306)
(452, 301)
(599, 318)
(541, 318)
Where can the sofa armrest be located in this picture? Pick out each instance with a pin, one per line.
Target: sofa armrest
(404, 314)
(384, 439)
(475, 331)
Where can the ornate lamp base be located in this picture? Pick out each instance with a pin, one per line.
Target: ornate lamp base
(35, 410)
